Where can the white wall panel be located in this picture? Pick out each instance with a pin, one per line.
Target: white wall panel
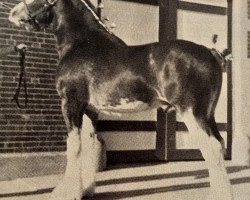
(200, 28)
(135, 23)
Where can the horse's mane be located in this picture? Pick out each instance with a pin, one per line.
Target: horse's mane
(86, 4)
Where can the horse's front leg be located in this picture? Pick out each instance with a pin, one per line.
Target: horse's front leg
(79, 178)
(70, 187)
(92, 157)
(87, 157)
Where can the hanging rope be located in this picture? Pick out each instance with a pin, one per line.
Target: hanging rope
(22, 78)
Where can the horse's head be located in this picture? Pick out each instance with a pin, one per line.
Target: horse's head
(33, 14)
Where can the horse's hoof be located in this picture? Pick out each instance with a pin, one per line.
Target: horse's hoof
(66, 192)
(90, 191)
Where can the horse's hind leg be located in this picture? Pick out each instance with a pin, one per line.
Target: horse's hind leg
(206, 137)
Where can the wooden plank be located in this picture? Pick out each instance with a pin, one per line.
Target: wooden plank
(134, 156)
(190, 155)
(149, 2)
(122, 125)
(147, 126)
(185, 155)
(203, 8)
(180, 126)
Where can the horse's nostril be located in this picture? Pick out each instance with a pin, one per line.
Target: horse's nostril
(21, 21)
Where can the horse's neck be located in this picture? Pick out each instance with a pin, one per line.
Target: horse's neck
(76, 26)
(82, 4)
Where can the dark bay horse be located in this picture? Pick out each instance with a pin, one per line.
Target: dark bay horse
(99, 73)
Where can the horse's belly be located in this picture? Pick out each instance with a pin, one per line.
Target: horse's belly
(124, 106)
(123, 94)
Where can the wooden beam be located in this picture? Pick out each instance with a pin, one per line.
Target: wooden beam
(180, 126)
(131, 156)
(229, 85)
(147, 126)
(168, 21)
(203, 8)
(149, 2)
(120, 125)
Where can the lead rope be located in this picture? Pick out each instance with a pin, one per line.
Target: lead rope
(22, 77)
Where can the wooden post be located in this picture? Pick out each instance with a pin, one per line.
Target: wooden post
(165, 134)
(168, 20)
(228, 156)
(240, 80)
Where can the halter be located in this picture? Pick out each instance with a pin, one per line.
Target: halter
(50, 4)
(32, 16)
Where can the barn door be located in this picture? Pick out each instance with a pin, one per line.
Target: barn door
(203, 23)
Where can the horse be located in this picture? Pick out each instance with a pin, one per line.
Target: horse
(99, 74)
